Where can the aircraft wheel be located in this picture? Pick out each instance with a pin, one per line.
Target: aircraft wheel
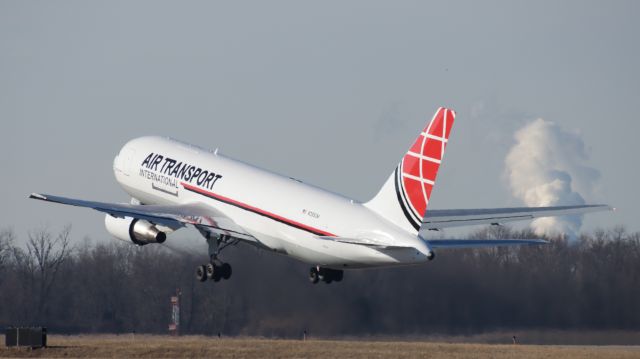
(338, 275)
(201, 273)
(225, 270)
(211, 270)
(217, 276)
(314, 277)
(326, 275)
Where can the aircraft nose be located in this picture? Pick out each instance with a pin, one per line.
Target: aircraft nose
(117, 165)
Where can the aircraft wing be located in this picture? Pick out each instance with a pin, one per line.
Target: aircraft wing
(481, 243)
(173, 216)
(437, 219)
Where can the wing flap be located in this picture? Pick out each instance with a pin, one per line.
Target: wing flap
(437, 219)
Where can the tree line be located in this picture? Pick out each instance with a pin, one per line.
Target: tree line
(589, 283)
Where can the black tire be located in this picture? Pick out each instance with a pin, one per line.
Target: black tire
(211, 270)
(338, 275)
(201, 273)
(313, 275)
(326, 275)
(226, 271)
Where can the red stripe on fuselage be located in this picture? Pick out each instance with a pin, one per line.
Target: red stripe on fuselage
(256, 210)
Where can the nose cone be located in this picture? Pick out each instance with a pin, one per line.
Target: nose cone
(118, 165)
(123, 162)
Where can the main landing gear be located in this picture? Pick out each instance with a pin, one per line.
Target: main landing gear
(326, 275)
(215, 269)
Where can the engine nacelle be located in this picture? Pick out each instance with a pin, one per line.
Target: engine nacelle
(135, 230)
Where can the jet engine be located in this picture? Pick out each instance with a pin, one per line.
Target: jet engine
(135, 230)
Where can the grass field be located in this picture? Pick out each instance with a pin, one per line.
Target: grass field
(151, 346)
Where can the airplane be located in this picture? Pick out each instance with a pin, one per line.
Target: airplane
(174, 185)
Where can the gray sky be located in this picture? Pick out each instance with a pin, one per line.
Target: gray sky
(329, 92)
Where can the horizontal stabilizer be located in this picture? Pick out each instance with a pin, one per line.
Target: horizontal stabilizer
(437, 219)
(482, 243)
(365, 242)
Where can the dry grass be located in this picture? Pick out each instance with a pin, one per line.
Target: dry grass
(148, 346)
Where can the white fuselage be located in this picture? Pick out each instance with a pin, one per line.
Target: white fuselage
(281, 213)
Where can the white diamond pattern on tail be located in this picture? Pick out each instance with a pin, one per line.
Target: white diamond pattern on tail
(422, 180)
(422, 157)
(424, 141)
(424, 134)
(444, 132)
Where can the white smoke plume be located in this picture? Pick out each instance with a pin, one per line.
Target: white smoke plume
(548, 167)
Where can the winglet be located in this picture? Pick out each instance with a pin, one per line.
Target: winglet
(38, 196)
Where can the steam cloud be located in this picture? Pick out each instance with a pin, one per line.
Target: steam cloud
(547, 167)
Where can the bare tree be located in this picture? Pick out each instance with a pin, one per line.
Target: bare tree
(114, 287)
(7, 237)
(46, 254)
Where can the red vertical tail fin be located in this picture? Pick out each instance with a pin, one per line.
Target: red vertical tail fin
(405, 196)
